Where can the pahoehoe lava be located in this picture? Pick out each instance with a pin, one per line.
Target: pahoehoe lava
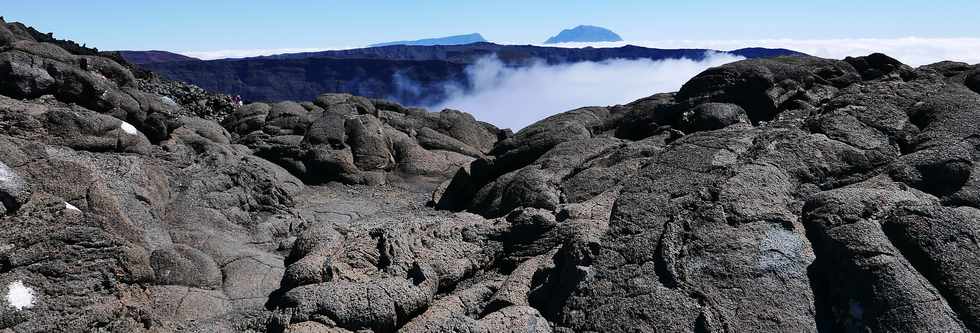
(791, 194)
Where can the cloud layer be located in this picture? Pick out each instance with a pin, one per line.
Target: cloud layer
(516, 97)
(914, 51)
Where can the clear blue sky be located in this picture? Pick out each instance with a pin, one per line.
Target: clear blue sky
(192, 25)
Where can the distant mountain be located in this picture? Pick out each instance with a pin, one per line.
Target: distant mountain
(450, 40)
(147, 57)
(412, 75)
(584, 33)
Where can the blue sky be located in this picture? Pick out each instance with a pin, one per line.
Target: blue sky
(198, 25)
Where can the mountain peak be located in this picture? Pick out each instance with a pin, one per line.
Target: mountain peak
(584, 33)
(448, 40)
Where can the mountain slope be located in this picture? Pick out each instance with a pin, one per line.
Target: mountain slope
(146, 57)
(449, 40)
(584, 33)
(419, 82)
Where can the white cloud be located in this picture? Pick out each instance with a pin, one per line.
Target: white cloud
(914, 51)
(244, 53)
(516, 97)
(20, 296)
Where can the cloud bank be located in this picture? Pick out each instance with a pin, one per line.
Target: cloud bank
(913, 51)
(516, 97)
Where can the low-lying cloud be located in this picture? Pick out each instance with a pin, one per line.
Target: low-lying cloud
(913, 51)
(515, 97)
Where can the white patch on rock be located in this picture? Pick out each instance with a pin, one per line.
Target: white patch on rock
(20, 296)
(6, 174)
(129, 129)
(168, 100)
(69, 206)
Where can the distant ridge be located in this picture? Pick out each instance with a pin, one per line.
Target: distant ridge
(370, 71)
(519, 55)
(154, 56)
(449, 40)
(584, 33)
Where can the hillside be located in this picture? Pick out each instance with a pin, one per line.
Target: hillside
(146, 57)
(304, 79)
(788, 194)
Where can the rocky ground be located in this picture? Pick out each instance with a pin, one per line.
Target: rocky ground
(792, 194)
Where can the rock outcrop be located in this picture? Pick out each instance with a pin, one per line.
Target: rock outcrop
(779, 195)
(354, 140)
(792, 194)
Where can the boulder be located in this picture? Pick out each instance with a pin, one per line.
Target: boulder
(286, 118)
(247, 119)
(185, 266)
(369, 144)
(762, 86)
(345, 104)
(877, 65)
(938, 242)
(712, 116)
(329, 129)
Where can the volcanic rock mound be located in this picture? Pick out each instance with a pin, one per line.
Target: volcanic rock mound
(791, 194)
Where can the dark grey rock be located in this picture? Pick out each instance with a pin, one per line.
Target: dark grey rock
(327, 129)
(345, 104)
(781, 195)
(762, 86)
(287, 118)
(185, 266)
(973, 81)
(712, 116)
(940, 243)
(369, 144)
(877, 65)
(247, 119)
